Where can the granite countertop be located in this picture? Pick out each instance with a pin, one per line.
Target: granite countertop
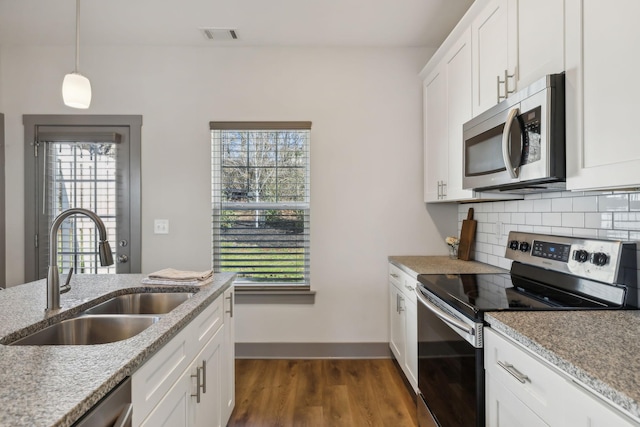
(414, 265)
(55, 385)
(599, 348)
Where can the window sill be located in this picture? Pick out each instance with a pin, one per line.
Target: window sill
(275, 296)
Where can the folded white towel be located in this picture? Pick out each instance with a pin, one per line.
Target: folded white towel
(168, 282)
(181, 275)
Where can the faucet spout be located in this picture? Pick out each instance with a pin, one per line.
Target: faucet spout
(104, 249)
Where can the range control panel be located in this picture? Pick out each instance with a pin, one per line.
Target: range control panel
(601, 260)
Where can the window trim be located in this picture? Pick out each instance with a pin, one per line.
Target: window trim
(249, 293)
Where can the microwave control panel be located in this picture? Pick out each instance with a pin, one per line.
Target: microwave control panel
(532, 136)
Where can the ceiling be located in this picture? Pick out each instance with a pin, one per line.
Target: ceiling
(334, 23)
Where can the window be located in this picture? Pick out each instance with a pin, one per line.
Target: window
(260, 185)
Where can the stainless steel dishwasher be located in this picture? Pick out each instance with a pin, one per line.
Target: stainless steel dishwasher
(114, 410)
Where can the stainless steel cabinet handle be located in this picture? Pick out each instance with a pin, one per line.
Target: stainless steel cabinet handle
(204, 376)
(444, 190)
(444, 316)
(230, 298)
(506, 152)
(400, 307)
(507, 76)
(409, 287)
(514, 372)
(394, 275)
(198, 377)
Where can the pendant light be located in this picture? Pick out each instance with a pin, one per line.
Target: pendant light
(76, 88)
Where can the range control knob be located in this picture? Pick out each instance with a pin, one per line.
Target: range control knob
(599, 258)
(513, 245)
(580, 255)
(524, 246)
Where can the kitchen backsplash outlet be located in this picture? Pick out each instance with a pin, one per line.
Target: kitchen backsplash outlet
(606, 215)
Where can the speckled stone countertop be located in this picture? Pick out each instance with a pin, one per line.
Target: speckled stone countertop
(56, 385)
(414, 265)
(599, 348)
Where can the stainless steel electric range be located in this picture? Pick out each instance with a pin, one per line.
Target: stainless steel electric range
(548, 273)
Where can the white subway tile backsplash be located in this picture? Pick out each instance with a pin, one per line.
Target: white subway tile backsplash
(585, 204)
(562, 205)
(613, 234)
(541, 229)
(585, 232)
(533, 196)
(525, 205)
(542, 205)
(533, 218)
(518, 218)
(613, 202)
(606, 215)
(562, 231)
(552, 219)
(573, 219)
(511, 206)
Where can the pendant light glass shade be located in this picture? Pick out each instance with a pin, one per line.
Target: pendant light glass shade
(76, 90)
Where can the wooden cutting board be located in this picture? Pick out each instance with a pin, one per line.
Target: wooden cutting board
(467, 235)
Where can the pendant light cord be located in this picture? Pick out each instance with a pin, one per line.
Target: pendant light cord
(77, 36)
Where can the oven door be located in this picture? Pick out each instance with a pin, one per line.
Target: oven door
(450, 368)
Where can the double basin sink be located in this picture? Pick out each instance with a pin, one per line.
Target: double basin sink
(116, 319)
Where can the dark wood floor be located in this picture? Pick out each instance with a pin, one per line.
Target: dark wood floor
(334, 392)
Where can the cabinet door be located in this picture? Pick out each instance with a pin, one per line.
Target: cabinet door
(504, 409)
(539, 52)
(458, 76)
(435, 135)
(411, 340)
(175, 409)
(396, 323)
(492, 52)
(229, 359)
(208, 412)
(582, 409)
(602, 89)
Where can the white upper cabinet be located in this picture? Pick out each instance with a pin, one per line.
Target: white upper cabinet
(493, 56)
(457, 69)
(515, 42)
(602, 87)
(435, 135)
(540, 39)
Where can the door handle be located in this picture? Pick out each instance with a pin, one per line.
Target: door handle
(506, 146)
(123, 258)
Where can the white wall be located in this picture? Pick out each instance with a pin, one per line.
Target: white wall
(366, 160)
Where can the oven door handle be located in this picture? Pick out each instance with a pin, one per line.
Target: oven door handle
(444, 316)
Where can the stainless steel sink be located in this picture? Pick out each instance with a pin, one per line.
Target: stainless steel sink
(89, 330)
(141, 303)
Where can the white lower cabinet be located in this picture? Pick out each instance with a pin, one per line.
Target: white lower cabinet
(403, 323)
(523, 390)
(187, 382)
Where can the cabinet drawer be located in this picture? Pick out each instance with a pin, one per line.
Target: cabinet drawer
(208, 322)
(533, 383)
(403, 281)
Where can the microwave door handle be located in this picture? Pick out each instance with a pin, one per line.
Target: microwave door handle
(506, 146)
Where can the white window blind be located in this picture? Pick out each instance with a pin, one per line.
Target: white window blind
(82, 175)
(260, 182)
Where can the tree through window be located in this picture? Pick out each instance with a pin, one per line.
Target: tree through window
(261, 202)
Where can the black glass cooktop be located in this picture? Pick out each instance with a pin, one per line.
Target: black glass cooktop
(474, 294)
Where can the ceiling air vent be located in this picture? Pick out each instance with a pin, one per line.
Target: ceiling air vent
(219, 33)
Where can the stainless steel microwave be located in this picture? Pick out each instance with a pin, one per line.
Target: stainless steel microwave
(518, 145)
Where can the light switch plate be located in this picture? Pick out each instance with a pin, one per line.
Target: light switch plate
(161, 226)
